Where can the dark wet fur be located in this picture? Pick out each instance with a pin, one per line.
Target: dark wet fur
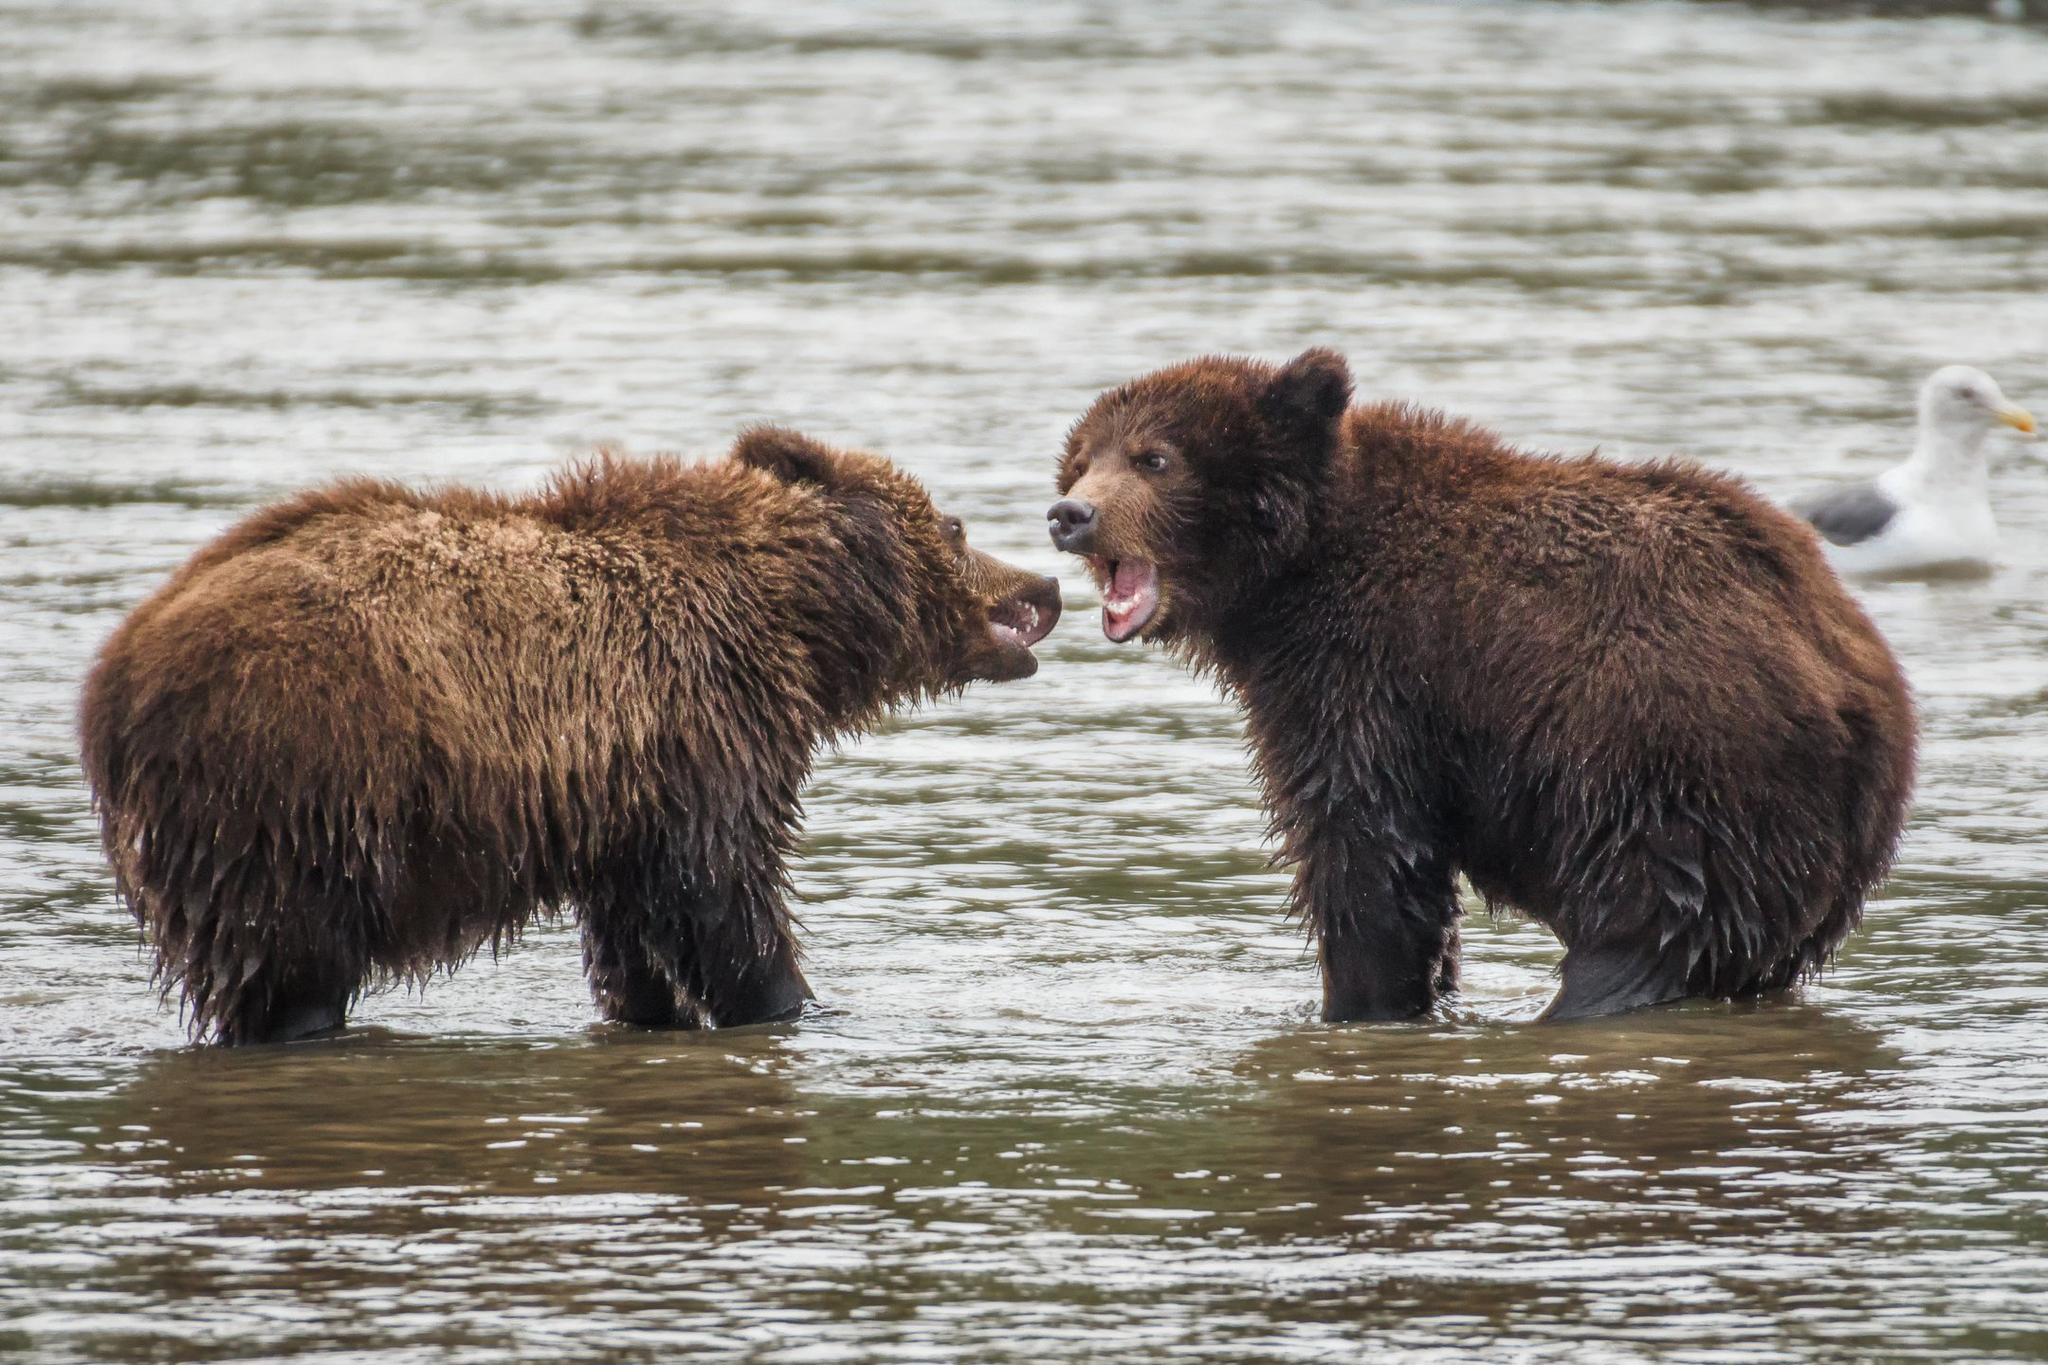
(1629, 701)
(371, 730)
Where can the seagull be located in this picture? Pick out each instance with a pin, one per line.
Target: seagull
(1932, 513)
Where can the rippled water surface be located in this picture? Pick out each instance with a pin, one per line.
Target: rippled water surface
(1069, 1100)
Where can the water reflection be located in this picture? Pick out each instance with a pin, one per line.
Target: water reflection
(669, 1115)
(1687, 1126)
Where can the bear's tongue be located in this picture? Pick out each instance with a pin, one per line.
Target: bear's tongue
(1130, 598)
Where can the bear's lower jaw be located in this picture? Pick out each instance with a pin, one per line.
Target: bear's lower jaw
(1130, 596)
(1013, 660)
(1013, 649)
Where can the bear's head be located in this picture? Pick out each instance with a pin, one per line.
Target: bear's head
(907, 600)
(1184, 488)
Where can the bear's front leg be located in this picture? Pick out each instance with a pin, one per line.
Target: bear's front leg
(629, 986)
(1386, 924)
(1370, 974)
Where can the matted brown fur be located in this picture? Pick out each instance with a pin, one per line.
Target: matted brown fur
(371, 729)
(1631, 701)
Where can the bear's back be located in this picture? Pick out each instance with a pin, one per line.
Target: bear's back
(394, 640)
(1646, 598)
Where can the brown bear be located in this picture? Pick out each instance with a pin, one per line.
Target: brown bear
(369, 730)
(1629, 701)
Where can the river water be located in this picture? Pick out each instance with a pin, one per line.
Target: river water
(1067, 1099)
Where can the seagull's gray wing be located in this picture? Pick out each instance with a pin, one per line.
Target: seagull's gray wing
(1848, 515)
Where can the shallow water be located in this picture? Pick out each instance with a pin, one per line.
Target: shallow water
(1068, 1099)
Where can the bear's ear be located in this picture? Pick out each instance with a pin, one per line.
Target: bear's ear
(1306, 396)
(789, 455)
(1299, 408)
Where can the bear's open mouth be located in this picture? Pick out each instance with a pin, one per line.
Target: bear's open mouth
(1020, 623)
(1130, 595)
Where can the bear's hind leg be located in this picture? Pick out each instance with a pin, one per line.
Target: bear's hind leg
(1817, 949)
(307, 1018)
(1657, 917)
(768, 992)
(1609, 979)
(732, 945)
(632, 986)
(672, 942)
(286, 1006)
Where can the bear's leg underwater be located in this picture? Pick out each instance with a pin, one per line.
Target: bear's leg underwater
(1671, 915)
(1612, 978)
(669, 945)
(295, 1016)
(308, 1019)
(1386, 925)
(297, 991)
(624, 980)
(1387, 975)
(631, 986)
(770, 993)
(1606, 978)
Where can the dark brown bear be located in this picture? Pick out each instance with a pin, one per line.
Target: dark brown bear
(369, 730)
(1630, 701)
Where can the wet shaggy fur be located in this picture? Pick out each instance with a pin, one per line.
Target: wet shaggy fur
(1629, 701)
(370, 729)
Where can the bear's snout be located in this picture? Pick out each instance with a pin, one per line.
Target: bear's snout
(1072, 523)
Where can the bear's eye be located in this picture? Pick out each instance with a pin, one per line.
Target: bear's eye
(954, 530)
(1151, 461)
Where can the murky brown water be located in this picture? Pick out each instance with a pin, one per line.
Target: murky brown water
(1069, 1100)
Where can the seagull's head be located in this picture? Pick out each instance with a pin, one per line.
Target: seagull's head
(1961, 404)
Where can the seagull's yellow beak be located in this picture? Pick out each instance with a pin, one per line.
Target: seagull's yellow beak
(2017, 417)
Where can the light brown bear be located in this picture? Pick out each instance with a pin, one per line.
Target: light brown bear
(370, 729)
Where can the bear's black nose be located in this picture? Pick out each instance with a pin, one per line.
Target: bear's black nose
(1072, 523)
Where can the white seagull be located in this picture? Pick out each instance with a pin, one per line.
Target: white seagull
(1932, 513)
